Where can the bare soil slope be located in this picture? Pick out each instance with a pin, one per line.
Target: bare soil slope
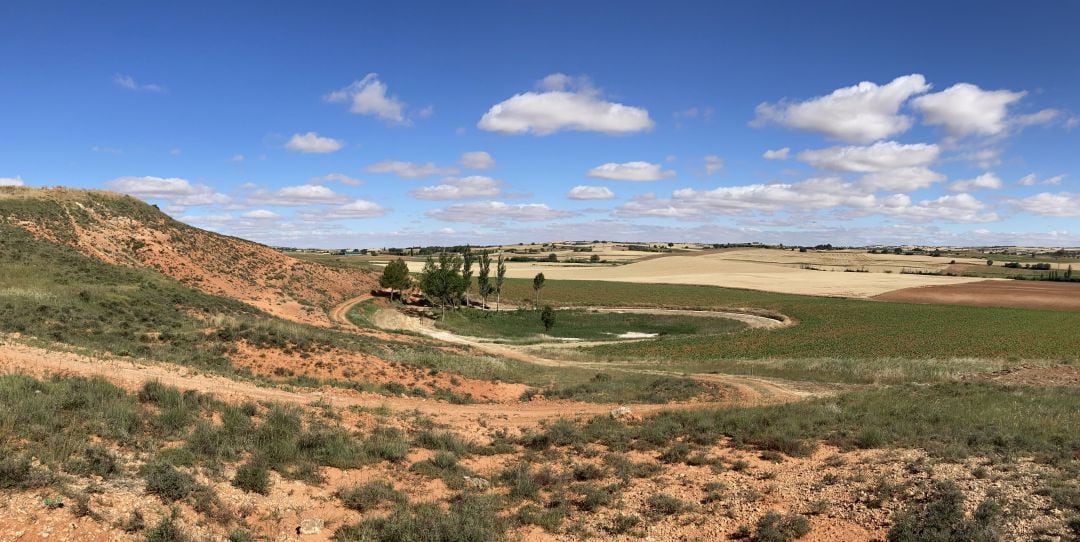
(121, 230)
(1062, 296)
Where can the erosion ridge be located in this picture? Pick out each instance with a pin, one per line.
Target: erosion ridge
(122, 230)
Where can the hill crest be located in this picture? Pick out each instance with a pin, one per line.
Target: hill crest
(122, 230)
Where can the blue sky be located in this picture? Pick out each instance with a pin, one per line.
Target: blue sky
(390, 124)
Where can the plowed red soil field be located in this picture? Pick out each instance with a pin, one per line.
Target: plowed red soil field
(1061, 296)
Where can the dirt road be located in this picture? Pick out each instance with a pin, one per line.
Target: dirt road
(18, 357)
(749, 390)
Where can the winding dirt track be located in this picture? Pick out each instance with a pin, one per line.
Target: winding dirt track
(750, 390)
(17, 357)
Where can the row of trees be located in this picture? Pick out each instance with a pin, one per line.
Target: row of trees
(447, 280)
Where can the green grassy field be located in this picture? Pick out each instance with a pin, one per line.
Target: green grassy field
(827, 327)
(519, 325)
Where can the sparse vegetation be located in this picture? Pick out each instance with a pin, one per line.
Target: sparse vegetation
(775, 527)
(941, 518)
(371, 495)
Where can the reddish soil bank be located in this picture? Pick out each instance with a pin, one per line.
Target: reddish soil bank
(1059, 296)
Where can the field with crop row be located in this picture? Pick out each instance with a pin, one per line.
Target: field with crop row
(827, 327)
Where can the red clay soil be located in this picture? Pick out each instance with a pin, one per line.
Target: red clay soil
(1058, 296)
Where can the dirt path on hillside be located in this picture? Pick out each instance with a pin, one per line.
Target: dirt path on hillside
(339, 314)
(749, 390)
(18, 358)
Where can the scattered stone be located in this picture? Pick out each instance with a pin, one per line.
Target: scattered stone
(621, 412)
(476, 483)
(310, 526)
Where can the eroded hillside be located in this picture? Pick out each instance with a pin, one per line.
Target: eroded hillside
(121, 230)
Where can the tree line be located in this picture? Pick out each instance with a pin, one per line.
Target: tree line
(447, 280)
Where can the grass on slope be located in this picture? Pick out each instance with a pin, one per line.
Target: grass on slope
(57, 294)
(827, 327)
(586, 325)
(951, 420)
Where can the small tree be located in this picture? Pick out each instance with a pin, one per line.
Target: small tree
(500, 277)
(441, 282)
(395, 276)
(989, 261)
(1068, 272)
(483, 278)
(538, 283)
(547, 316)
(552, 257)
(595, 258)
(466, 275)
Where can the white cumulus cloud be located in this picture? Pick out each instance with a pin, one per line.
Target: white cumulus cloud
(409, 170)
(453, 188)
(1033, 179)
(477, 160)
(368, 96)
(1049, 204)
(336, 178)
(881, 156)
(175, 190)
(987, 180)
(307, 194)
(583, 192)
(313, 143)
(261, 214)
(965, 109)
(776, 154)
(907, 179)
(494, 212)
(11, 181)
(713, 164)
(862, 113)
(564, 103)
(360, 208)
(630, 171)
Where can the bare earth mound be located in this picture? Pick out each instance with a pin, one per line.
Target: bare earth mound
(121, 230)
(1059, 296)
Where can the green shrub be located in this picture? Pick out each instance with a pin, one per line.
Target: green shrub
(593, 496)
(622, 523)
(561, 432)
(676, 453)
(134, 523)
(17, 473)
(775, 527)
(388, 444)
(549, 518)
(472, 518)
(662, 504)
(370, 495)
(95, 460)
(443, 440)
(167, 482)
(166, 531)
(587, 471)
(522, 481)
(253, 477)
(941, 518)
